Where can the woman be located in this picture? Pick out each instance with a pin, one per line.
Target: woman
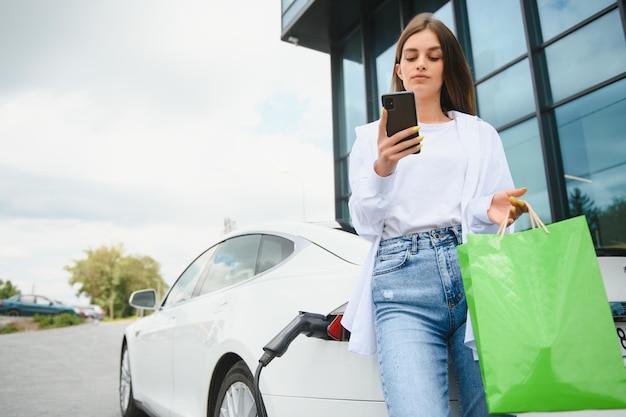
(409, 306)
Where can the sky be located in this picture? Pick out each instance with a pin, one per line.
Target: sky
(147, 123)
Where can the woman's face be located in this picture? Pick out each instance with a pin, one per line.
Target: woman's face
(421, 65)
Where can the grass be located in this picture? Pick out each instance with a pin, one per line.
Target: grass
(38, 322)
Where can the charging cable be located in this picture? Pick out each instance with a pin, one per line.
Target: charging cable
(313, 325)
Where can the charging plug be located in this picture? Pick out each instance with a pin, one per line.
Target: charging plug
(313, 325)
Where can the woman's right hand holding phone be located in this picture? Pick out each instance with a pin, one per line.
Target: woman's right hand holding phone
(392, 149)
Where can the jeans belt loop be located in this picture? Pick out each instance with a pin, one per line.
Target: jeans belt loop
(414, 238)
(458, 234)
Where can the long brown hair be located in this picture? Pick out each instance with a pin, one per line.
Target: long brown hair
(457, 92)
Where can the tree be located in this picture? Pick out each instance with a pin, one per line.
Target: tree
(612, 224)
(109, 276)
(229, 225)
(580, 204)
(7, 290)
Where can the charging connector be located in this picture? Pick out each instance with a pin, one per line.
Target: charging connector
(313, 325)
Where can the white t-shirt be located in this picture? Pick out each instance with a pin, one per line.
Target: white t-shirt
(428, 185)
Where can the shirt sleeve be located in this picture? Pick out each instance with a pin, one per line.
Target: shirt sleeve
(369, 200)
(494, 176)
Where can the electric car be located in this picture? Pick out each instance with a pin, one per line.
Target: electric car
(267, 299)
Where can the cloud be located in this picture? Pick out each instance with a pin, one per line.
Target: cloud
(147, 123)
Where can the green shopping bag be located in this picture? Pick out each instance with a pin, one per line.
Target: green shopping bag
(542, 324)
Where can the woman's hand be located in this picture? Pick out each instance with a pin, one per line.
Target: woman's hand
(391, 150)
(504, 202)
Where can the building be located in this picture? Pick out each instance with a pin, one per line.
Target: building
(550, 76)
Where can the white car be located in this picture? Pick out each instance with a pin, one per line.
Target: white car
(246, 300)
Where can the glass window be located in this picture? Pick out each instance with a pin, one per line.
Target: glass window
(386, 29)
(384, 71)
(559, 15)
(344, 177)
(522, 146)
(352, 109)
(496, 32)
(234, 262)
(345, 210)
(274, 250)
(42, 301)
(593, 146)
(183, 288)
(587, 57)
(286, 4)
(445, 15)
(506, 96)
(27, 299)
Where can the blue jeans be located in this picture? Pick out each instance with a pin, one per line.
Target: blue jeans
(420, 312)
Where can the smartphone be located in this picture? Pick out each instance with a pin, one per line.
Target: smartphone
(401, 112)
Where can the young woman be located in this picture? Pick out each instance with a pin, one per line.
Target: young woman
(409, 306)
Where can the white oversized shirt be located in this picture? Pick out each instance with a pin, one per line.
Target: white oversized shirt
(373, 199)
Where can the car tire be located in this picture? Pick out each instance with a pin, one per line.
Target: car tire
(236, 395)
(13, 313)
(128, 406)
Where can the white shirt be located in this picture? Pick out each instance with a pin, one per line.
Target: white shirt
(429, 184)
(373, 202)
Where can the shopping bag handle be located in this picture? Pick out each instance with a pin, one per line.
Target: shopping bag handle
(535, 221)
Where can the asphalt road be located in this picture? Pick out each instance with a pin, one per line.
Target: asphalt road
(71, 371)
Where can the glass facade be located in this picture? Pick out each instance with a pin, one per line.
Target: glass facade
(352, 109)
(489, 17)
(550, 76)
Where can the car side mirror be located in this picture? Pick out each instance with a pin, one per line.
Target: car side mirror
(143, 299)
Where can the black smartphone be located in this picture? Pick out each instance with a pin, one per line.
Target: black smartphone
(401, 112)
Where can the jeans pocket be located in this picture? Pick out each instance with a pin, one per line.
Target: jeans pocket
(390, 261)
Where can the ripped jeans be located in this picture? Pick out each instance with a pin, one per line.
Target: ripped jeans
(421, 310)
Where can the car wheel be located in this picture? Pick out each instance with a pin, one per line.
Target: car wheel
(236, 395)
(127, 402)
(13, 313)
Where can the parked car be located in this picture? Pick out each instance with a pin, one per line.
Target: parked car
(91, 311)
(97, 312)
(239, 307)
(31, 304)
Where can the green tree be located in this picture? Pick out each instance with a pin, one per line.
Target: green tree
(7, 290)
(580, 203)
(612, 224)
(109, 276)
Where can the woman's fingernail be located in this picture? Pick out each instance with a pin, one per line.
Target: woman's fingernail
(416, 128)
(513, 210)
(511, 221)
(512, 199)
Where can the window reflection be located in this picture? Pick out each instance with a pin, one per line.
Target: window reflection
(234, 262)
(507, 96)
(352, 92)
(587, 57)
(559, 15)
(386, 28)
(522, 146)
(384, 71)
(273, 250)
(593, 145)
(445, 15)
(496, 32)
(185, 285)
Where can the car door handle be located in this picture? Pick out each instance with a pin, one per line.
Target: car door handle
(220, 306)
